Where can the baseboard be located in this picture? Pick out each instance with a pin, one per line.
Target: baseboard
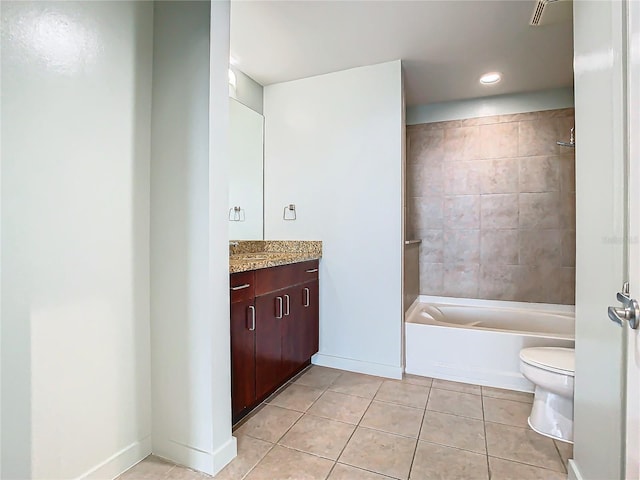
(120, 461)
(574, 473)
(351, 365)
(194, 458)
(223, 455)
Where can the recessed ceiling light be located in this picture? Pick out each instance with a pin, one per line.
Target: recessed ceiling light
(489, 78)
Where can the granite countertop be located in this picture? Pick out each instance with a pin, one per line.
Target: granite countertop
(257, 254)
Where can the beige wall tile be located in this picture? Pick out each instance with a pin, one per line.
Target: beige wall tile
(537, 137)
(499, 176)
(426, 146)
(500, 282)
(567, 173)
(499, 247)
(541, 210)
(461, 280)
(540, 174)
(568, 248)
(461, 143)
(470, 122)
(499, 211)
(540, 247)
(461, 246)
(432, 247)
(461, 212)
(519, 117)
(461, 178)
(426, 213)
(499, 140)
(431, 278)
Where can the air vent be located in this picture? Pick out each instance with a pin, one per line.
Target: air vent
(536, 18)
(546, 12)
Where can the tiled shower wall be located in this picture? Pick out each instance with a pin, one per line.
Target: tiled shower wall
(493, 200)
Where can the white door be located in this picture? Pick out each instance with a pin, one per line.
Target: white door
(632, 436)
(602, 251)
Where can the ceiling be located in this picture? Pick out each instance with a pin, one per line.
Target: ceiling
(445, 45)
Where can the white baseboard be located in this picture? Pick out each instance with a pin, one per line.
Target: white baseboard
(574, 473)
(223, 455)
(196, 459)
(120, 461)
(351, 365)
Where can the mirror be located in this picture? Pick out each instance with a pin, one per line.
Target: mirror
(245, 172)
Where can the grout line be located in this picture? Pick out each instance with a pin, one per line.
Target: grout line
(486, 442)
(520, 462)
(424, 414)
(560, 455)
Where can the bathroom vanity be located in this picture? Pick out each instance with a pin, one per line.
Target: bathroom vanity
(274, 317)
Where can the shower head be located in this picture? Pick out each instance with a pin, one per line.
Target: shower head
(572, 140)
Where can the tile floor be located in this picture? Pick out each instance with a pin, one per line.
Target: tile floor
(329, 424)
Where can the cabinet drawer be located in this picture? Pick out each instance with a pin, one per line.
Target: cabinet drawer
(242, 286)
(276, 278)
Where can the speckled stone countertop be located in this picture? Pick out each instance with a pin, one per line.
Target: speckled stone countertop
(256, 254)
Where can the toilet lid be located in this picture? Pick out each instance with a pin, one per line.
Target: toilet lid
(555, 359)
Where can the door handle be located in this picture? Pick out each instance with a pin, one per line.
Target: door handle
(306, 297)
(288, 306)
(312, 270)
(241, 287)
(629, 312)
(252, 309)
(278, 307)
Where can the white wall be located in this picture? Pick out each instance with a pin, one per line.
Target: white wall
(75, 237)
(189, 251)
(599, 384)
(333, 147)
(494, 105)
(247, 91)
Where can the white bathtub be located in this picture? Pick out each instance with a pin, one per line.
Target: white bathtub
(478, 341)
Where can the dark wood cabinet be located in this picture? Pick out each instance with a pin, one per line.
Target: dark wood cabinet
(266, 352)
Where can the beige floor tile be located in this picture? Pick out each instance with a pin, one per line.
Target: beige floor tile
(379, 452)
(250, 452)
(285, 464)
(522, 445)
(403, 394)
(318, 377)
(507, 470)
(296, 397)
(269, 424)
(391, 418)
(338, 406)
(507, 394)
(151, 468)
(565, 449)
(183, 473)
(456, 386)
(444, 463)
(454, 431)
(455, 403)
(319, 436)
(417, 380)
(506, 412)
(347, 472)
(356, 384)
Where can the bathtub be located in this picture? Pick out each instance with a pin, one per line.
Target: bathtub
(479, 341)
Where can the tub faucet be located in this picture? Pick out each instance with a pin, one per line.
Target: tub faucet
(233, 244)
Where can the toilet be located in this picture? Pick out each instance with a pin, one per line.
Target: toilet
(551, 370)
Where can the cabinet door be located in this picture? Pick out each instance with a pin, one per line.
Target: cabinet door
(293, 332)
(270, 313)
(243, 386)
(310, 312)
